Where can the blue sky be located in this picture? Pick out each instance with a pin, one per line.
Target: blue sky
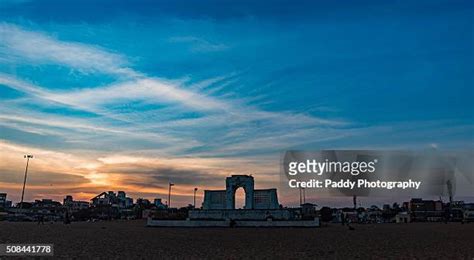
(144, 91)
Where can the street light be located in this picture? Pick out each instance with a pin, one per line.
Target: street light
(169, 194)
(27, 156)
(195, 189)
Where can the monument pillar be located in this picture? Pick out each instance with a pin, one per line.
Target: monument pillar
(233, 183)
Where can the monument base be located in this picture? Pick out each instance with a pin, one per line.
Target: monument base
(242, 214)
(236, 223)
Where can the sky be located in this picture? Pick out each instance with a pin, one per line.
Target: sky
(131, 95)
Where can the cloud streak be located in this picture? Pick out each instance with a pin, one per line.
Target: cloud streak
(38, 47)
(198, 44)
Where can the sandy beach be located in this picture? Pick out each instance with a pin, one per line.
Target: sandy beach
(131, 239)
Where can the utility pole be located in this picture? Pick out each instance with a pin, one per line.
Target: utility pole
(194, 199)
(169, 194)
(301, 199)
(304, 195)
(27, 156)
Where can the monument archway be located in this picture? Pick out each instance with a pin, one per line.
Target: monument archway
(239, 198)
(237, 181)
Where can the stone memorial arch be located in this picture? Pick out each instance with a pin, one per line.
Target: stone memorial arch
(239, 181)
(254, 199)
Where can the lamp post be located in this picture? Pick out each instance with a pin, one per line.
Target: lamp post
(169, 194)
(27, 156)
(194, 198)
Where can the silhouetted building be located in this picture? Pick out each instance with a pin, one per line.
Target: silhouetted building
(425, 205)
(73, 205)
(308, 211)
(68, 199)
(119, 200)
(3, 200)
(46, 203)
(143, 203)
(103, 199)
(308, 208)
(159, 204)
(4, 203)
(47, 207)
(121, 195)
(123, 200)
(426, 210)
(403, 217)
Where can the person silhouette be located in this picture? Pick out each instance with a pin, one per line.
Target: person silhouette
(41, 219)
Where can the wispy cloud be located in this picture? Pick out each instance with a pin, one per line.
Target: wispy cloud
(199, 44)
(41, 48)
(235, 122)
(148, 89)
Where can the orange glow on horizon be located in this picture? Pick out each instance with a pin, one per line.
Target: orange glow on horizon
(57, 174)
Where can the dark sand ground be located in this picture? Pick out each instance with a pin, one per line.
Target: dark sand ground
(131, 239)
